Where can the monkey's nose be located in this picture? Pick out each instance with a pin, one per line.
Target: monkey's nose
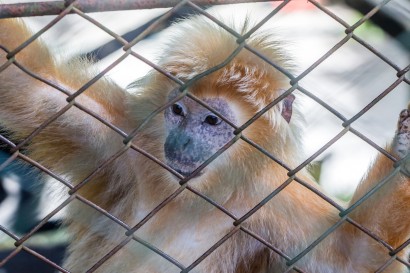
(176, 142)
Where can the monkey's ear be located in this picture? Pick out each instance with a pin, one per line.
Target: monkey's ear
(287, 107)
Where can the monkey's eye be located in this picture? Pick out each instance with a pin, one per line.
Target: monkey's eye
(212, 120)
(178, 110)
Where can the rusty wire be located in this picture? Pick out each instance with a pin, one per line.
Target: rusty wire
(80, 8)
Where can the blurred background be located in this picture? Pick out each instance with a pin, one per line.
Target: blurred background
(348, 80)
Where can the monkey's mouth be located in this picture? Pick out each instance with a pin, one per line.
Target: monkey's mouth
(186, 172)
(185, 169)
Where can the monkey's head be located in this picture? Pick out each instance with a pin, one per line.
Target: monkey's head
(193, 133)
(245, 85)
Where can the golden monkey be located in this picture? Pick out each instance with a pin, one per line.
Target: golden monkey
(184, 136)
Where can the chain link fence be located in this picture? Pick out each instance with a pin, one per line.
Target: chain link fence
(81, 8)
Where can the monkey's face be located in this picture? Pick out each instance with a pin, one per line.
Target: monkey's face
(193, 133)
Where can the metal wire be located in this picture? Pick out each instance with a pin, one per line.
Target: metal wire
(56, 7)
(80, 8)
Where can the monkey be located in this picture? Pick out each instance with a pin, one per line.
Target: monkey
(187, 127)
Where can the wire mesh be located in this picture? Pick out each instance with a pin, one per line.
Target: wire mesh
(80, 8)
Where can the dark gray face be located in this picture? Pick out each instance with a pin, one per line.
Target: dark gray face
(194, 133)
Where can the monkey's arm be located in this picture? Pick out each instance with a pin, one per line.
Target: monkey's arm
(26, 103)
(386, 212)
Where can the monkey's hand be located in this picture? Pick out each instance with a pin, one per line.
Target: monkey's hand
(383, 212)
(401, 144)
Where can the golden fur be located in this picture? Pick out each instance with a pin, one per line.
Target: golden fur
(75, 144)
